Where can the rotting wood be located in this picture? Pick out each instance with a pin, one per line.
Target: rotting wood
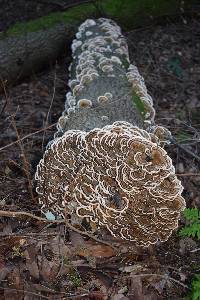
(106, 164)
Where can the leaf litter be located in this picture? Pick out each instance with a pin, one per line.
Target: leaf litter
(53, 262)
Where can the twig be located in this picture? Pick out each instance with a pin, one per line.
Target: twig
(27, 136)
(6, 96)
(187, 174)
(51, 103)
(25, 162)
(174, 141)
(164, 277)
(24, 291)
(16, 214)
(45, 297)
(195, 250)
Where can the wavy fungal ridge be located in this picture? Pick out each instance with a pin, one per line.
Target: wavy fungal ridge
(116, 176)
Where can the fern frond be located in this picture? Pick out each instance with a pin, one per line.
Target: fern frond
(192, 230)
(196, 287)
(192, 214)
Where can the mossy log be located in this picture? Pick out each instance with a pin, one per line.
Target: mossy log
(26, 47)
(106, 167)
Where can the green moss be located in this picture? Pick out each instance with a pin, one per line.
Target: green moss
(72, 16)
(139, 12)
(125, 62)
(138, 103)
(128, 13)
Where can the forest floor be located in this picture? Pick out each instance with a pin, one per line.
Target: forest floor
(44, 261)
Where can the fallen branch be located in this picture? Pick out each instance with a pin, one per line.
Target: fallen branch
(17, 214)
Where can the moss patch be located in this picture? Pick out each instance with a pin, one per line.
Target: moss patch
(128, 13)
(139, 104)
(72, 16)
(131, 13)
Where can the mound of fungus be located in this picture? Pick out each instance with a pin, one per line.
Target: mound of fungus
(117, 177)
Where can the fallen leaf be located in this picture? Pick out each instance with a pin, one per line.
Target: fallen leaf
(96, 295)
(96, 251)
(44, 93)
(135, 288)
(48, 269)
(119, 297)
(10, 294)
(139, 292)
(32, 267)
(58, 247)
(133, 269)
(76, 239)
(4, 270)
(159, 285)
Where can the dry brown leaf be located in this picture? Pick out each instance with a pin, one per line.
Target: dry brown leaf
(133, 269)
(4, 270)
(76, 239)
(58, 247)
(44, 93)
(96, 251)
(10, 294)
(139, 292)
(32, 267)
(119, 297)
(97, 295)
(135, 289)
(48, 269)
(159, 285)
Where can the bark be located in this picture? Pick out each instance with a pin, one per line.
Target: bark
(103, 166)
(22, 55)
(102, 68)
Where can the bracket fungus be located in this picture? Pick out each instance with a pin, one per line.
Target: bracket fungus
(106, 163)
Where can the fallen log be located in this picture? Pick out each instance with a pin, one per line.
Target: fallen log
(26, 48)
(106, 166)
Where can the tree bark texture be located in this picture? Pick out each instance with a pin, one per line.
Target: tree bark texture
(23, 55)
(106, 165)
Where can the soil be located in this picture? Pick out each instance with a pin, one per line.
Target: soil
(43, 261)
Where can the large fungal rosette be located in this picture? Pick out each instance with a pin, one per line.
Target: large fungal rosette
(117, 177)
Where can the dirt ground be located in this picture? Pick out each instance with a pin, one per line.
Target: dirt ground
(43, 261)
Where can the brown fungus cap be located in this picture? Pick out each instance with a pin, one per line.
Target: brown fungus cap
(115, 176)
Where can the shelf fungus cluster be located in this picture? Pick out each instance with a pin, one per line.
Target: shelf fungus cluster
(115, 175)
(100, 66)
(117, 178)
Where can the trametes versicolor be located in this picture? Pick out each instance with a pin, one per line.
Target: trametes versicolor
(117, 177)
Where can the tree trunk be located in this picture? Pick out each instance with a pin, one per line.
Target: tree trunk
(103, 166)
(23, 55)
(103, 80)
(25, 48)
